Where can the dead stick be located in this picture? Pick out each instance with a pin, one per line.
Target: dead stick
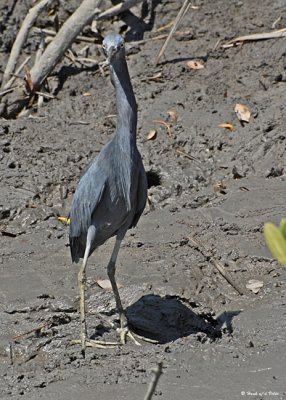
(256, 36)
(38, 56)
(16, 75)
(178, 19)
(21, 38)
(39, 328)
(157, 372)
(218, 266)
(6, 91)
(79, 38)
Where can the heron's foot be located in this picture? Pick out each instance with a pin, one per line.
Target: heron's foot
(98, 344)
(126, 332)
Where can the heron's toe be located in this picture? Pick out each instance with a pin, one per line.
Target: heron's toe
(124, 333)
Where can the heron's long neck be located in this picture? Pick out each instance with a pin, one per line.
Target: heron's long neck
(125, 102)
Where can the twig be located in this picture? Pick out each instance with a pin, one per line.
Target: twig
(43, 94)
(79, 38)
(276, 22)
(157, 372)
(183, 153)
(218, 265)
(39, 328)
(256, 36)
(6, 91)
(86, 60)
(177, 21)
(16, 75)
(38, 56)
(21, 38)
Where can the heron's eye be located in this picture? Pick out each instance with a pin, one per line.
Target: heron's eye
(121, 45)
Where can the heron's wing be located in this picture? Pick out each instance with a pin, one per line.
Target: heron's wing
(87, 198)
(141, 196)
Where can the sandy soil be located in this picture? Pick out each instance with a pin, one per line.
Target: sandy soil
(214, 343)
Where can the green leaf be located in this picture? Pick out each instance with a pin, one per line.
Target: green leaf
(276, 241)
(282, 227)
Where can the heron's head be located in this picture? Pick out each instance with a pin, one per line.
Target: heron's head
(113, 46)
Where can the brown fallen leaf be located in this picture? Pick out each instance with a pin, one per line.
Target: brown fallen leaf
(173, 115)
(195, 64)
(167, 126)
(243, 113)
(254, 285)
(219, 187)
(227, 126)
(28, 80)
(106, 285)
(152, 134)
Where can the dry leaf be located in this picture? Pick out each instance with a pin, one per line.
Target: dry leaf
(254, 285)
(86, 94)
(195, 64)
(167, 126)
(152, 134)
(227, 126)
(173, 115)
(243, 113)
(106, 285)
(219, 187)
(28, 79)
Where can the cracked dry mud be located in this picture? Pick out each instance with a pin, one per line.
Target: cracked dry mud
(214, 344)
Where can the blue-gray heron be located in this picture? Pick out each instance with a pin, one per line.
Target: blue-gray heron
(112, 193)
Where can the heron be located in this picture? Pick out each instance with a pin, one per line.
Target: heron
(111, 194)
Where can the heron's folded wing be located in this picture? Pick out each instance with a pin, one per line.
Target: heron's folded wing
(141, 196)
(85, 201)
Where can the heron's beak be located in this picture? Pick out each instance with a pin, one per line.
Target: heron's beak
(110, 53)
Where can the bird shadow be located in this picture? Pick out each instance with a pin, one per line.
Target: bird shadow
(66, 72)
(165, 319)
(138, 25)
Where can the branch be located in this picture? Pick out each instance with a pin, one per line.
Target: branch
(21, 38)
(220, 268)
(184, 9)
(155, 379)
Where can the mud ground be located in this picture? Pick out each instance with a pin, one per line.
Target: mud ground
(214, 343)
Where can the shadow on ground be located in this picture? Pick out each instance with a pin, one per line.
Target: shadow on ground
(166, 319)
